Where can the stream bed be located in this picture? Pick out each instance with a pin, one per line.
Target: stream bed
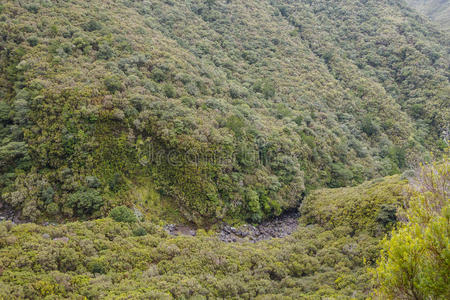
(277, 227)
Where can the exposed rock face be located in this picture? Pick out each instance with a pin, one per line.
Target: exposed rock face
(276, 228)
(174, 229)
(6, 212)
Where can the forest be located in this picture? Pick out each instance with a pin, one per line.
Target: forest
(120, 117)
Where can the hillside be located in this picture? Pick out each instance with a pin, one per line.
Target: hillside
(437, 10)
(223, 149)
(211, 110)
(104, 259)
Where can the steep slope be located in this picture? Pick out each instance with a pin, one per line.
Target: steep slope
(437, 10)
(214, 109)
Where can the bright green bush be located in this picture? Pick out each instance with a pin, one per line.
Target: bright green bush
(415, 260)
(370, 206)
(122, 214)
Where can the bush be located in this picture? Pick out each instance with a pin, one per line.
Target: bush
(140, 231)
(4, 111)
(33, 41)
(85, 203)
(122, 214)
(253, 205)
(340, 175)
(369, 127)
(92, 25)
(92, 182)
(158, 75)
(387, 214)
(97, 266)
(266, 88)
(52, 209)
(113, 83)
(169, 91)
(33, 8)
(105, 52)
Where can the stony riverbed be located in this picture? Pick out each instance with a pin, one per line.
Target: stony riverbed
(278, 227)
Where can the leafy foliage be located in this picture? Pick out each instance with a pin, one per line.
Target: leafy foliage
(122, 214)
(108, 259)
(414, 261)
(85, 203)
(370, 206)
(246, 106)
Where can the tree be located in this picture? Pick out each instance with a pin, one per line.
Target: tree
(415, 261)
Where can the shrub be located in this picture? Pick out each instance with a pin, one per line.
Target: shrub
(140, 231)
(116, 182)
(33, 41)
(97, 266)
(105, 52)
(92, 25)
(266, 88)
(254, 205)
(4, 111)
(369, 127)
(169, 90)
(33, 8)
(341, 176)
(92, 182)
(113, 83)
(122, 214)
(158, 75)
(387, 214)
(52, 209)
(85, 203)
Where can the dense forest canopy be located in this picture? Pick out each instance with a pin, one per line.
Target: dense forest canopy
(286, 96)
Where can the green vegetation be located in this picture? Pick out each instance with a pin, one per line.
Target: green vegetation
(415, 260)
(229, 110)
(118, 117)
(122, 260)
(437, 10)
(366, 207)
(122, 214)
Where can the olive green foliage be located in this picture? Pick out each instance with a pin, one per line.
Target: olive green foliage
(122, 214)
(370, 206)
(415, 259)
(85, 203)
(247, 105)
(107, 259)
